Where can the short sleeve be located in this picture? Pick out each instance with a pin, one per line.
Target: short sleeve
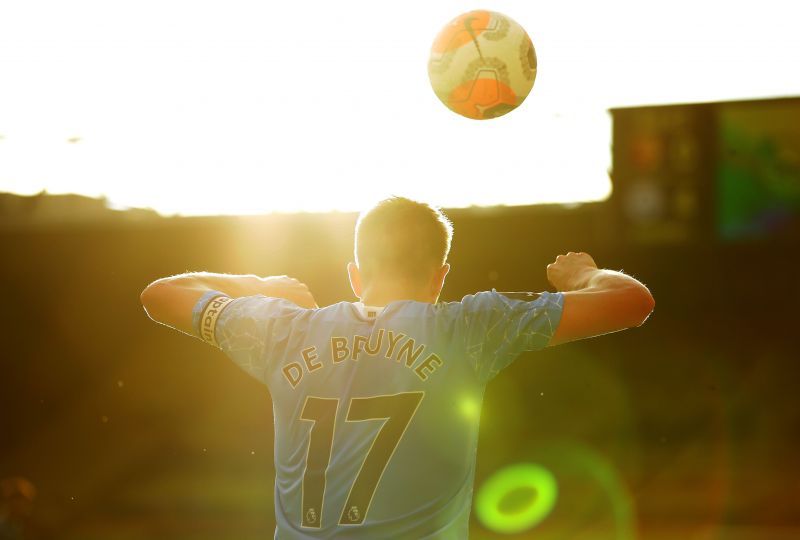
(497, 328)
(244, 328)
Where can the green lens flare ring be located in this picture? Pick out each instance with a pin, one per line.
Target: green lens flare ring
(521, 476)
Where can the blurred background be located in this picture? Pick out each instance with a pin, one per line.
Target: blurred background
(139, 141)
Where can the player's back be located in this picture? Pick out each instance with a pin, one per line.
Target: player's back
(377, 417)
(403, 410)
(377, 410)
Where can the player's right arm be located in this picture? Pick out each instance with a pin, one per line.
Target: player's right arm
(596, 301)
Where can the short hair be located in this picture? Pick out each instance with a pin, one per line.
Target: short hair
(402, 239)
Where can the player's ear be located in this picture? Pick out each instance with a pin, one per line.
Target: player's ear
(439, 278)
(355, 278)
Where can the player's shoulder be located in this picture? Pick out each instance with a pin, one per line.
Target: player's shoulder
(334, 312)
(471, 302)
(494, 299)
(485, 297)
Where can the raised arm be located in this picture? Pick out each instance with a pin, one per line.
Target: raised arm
(596, 301)
(170, 300)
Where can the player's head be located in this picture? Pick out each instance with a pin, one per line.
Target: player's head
(401, 247)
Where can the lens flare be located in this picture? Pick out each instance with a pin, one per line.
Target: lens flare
(491, 506)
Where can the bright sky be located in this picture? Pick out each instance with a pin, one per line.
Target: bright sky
(243, 107)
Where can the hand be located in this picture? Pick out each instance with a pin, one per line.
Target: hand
(571, 272)
(290, 289)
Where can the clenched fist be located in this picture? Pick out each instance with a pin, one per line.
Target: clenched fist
(289, 288)
(571, 272)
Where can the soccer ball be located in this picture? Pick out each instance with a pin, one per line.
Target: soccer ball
(482, 64)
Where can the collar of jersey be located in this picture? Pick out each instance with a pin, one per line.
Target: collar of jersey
(368, 312)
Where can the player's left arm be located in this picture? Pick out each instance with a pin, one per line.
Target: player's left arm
(170, 300)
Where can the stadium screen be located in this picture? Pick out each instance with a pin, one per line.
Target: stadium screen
(758, 170)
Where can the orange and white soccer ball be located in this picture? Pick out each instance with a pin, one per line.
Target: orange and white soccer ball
(482, 64)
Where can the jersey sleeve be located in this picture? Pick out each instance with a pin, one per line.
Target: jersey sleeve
(244, 328)
(497, 328)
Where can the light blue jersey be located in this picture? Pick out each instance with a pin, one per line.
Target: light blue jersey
(376, 409)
